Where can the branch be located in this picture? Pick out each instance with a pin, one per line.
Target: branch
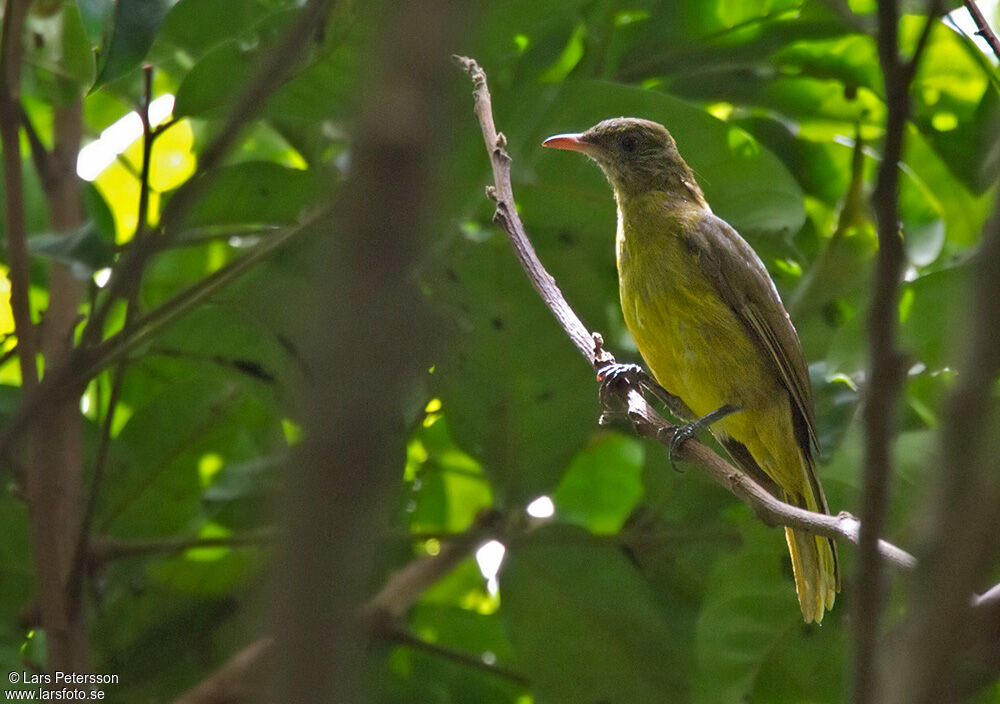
(229, 683)
(645, 419)
(983, 27)
(506, 216)
(887, 362)
(909, 69)
(82, 542)
(103, 550)
(400, 636)
(142, 221)
(407, 584)
(11, 53)
(39, 154)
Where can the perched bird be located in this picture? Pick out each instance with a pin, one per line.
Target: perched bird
(708, 321)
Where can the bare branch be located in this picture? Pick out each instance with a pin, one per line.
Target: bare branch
(11, 54)
(887, 362)
(400, 636)
(983, 27)
(39, 154)
(506, 216)
(645, 419)
(104, 550)
(229, 682)
(909, 69)
(407, 584)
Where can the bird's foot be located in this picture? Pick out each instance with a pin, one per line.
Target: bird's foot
(614, 377)
(683, 433)
(611, 375)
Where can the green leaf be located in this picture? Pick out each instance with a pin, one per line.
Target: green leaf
(519, 397)
(321, 89)
(198, 25)
(77, 51)
(152, 486)
(253, 193)
(932, 315)
(85, 250)
(602, 485)
(749, 604)
(586, 627)
(95, 18)
(134, 28)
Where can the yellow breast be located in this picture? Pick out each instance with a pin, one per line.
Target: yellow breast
(690, 339)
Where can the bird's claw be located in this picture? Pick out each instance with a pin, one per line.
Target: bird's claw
(683, 433)
(614, 373)
(615, 376)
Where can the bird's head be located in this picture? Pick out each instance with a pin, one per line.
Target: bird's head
(636, 155)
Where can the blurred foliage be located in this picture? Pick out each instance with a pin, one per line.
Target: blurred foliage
(646, 584)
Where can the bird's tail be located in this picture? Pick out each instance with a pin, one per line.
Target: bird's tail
(814, 560)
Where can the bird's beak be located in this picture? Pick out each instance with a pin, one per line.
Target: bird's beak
(573, 142)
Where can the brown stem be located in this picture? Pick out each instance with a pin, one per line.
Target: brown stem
(11, 54)
(104, 550)
(229, 683)
(340, 487)
(55, 492)
(39, 154)
(887, 362)
(403, 637)
(142, 221)
(983, 27)
(406, 585)
(506, 216)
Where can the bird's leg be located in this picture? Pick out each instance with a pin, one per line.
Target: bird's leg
(685, 432)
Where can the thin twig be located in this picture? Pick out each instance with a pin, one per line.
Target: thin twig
(983, 27)
(81, 548)
(39, 154)
(103, 550)
(909, 69)
(506, 216)
(82, 544)
(645, 419)
(403, 637)
(406, 585)
(887, 362)
(142, 221)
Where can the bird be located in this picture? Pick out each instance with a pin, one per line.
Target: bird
(709, 324)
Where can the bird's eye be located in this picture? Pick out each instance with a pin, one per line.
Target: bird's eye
(628, 143)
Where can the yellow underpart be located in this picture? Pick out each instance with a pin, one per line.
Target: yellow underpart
(699, 350)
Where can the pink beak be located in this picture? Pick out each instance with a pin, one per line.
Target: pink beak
(573, 142)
